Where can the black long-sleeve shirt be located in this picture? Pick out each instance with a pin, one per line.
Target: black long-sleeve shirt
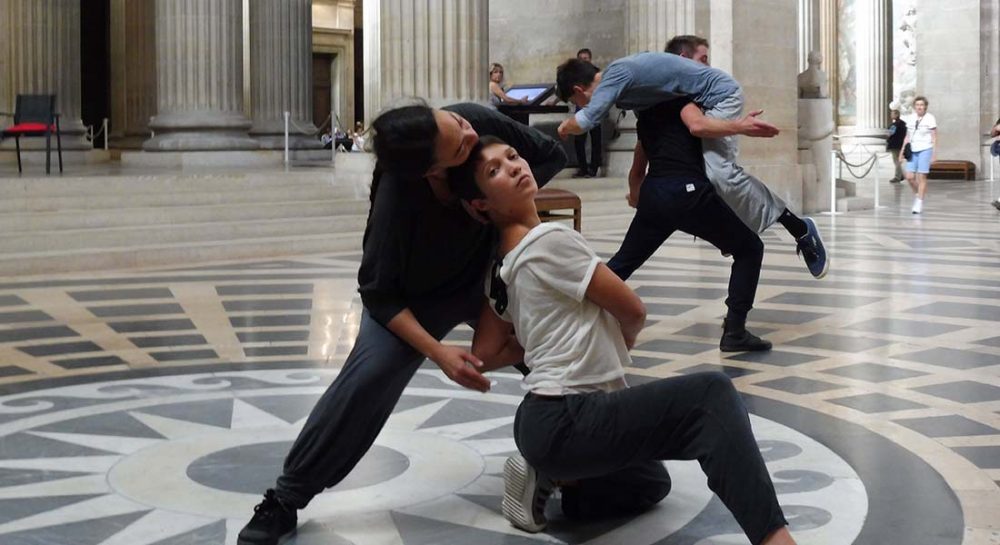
(417, 249)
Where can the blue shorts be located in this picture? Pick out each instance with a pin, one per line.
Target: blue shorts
(920, 161)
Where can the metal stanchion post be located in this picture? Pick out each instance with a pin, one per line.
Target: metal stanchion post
(878, 179)
(287, 118)
(833, 182)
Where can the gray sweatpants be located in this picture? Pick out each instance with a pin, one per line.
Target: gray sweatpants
(752, 201)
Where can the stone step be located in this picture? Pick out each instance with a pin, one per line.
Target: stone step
(116, 202)
(170, 215)
(154, 235)
(73, 186)
(852, 204)
(106, 259)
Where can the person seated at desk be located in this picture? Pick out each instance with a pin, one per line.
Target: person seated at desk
(497, 94)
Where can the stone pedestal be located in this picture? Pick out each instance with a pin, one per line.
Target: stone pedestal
(815, 145)
(199, 60)
(281, 73)
(434, 50)
(42, 53)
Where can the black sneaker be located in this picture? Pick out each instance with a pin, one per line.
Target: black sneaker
(525, 494)
(810, 247)
(738, 339)
(581, 173)
(996, 204)
(272, 522)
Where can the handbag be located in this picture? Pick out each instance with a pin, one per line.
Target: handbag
(907, 150)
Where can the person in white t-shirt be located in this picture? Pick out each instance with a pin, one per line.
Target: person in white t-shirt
(581, 427)
(921, 135)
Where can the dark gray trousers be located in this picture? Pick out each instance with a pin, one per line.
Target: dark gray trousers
(351, 413)
(694, 417)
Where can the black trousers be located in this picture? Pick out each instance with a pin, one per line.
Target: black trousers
(597, 436)
(691, 205)
(596, 149)
(349, 416)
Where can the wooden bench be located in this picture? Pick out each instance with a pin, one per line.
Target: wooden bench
(963, 170)
(548, 201)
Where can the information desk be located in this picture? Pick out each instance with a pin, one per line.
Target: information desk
(521, 112)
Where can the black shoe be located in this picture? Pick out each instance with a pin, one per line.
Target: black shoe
(738, 339)
(581, 173)
(595, 172)
(996, 204)
(272, 522)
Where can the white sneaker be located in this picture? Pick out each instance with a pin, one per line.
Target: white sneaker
(525, 494)
(918, 206)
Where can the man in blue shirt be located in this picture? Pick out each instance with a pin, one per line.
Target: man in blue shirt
(644, 80)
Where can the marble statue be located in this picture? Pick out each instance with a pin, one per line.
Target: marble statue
(813, 83)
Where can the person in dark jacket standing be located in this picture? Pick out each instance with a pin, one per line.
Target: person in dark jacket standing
(894, 144)
(422, 270)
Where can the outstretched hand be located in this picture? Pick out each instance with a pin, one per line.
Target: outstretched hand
(461, 367)
(751, 126)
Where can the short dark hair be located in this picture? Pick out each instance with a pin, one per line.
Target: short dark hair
(462, 179)
(403, 140)
(685, 43)
(922, 98)
(585, 50)
(573, 72)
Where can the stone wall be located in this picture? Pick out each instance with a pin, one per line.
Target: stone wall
(530, 38)
(949, 73)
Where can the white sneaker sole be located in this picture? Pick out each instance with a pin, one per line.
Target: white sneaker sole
(519, 494)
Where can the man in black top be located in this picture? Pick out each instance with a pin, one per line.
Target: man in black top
(675, 194)
(893, 144)
(421, 275)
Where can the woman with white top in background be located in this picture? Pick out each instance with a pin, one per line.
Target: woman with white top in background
(921, 136)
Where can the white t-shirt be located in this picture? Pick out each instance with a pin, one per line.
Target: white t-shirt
(921, 131)
(570, 344)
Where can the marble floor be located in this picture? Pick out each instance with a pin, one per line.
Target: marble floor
(155, 406)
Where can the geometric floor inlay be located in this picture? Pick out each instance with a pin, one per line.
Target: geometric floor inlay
(153, 406)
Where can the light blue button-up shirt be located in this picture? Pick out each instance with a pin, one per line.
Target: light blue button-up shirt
(646, 79)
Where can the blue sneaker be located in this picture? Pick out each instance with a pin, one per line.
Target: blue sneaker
(810, 247)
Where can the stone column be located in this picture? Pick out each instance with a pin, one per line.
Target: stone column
(755, 51)
(809, 31)
(42, 43)
(199, 58)
(434, 50)
(829, 32)
(874, 67)
(649, 24)
(133, 70)
(281, 72)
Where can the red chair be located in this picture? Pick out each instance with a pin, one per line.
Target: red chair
(35, 115)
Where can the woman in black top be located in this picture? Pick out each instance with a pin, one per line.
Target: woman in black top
(421, 275)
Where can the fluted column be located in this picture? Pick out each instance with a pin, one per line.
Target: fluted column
(809, 31)
(651, 23)
(199, 59)
(43, 57)
(434, 50)
(874, 66)
(133, 70)
(829, 34)
(281, 72)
